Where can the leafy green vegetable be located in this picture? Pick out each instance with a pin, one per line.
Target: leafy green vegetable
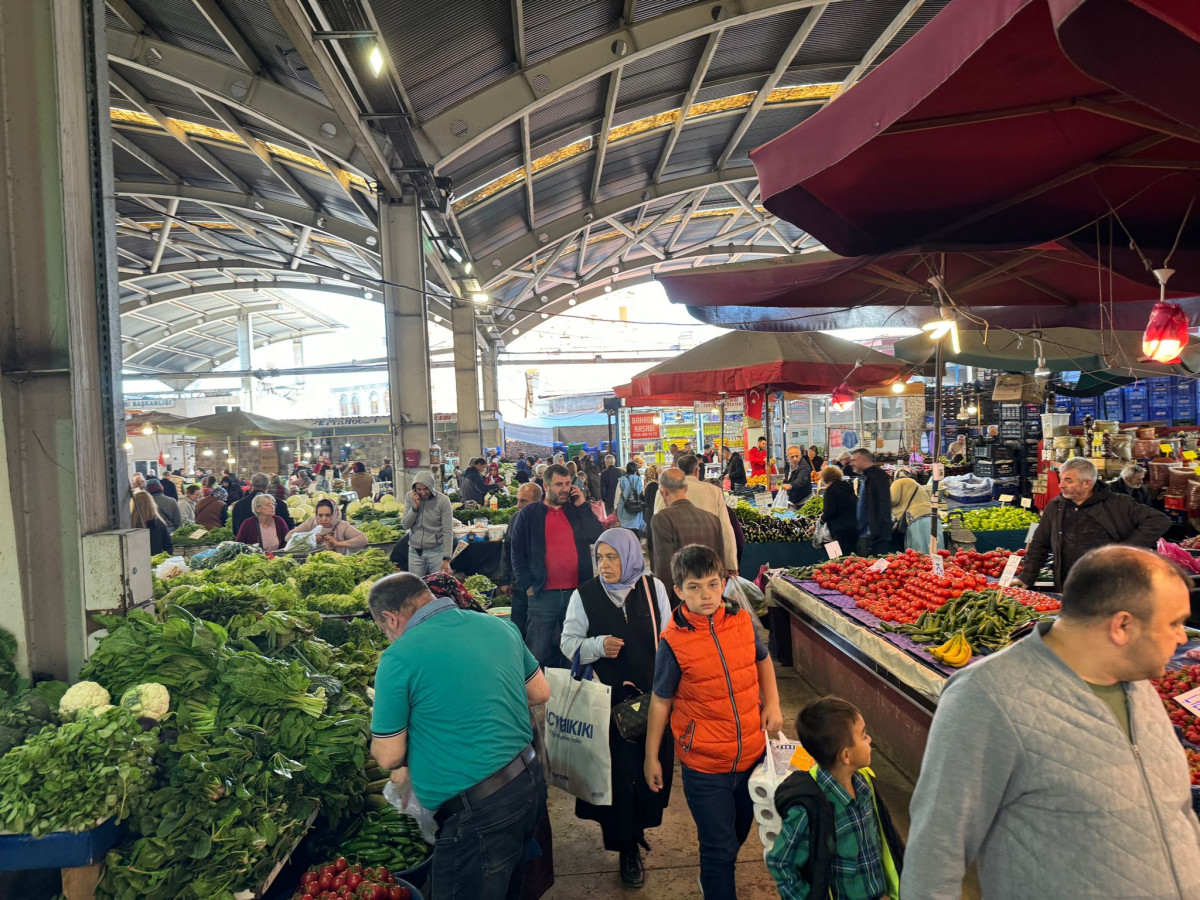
(10, 681)
(182, 537)
(336, 604)
(224, 552)
(69, 778)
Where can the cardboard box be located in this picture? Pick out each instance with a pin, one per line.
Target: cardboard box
(1018, 389)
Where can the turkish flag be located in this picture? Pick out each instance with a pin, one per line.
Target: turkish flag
(754, 403)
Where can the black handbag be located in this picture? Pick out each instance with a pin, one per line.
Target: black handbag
(632, 716)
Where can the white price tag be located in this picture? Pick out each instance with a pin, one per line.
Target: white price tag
(833, 549)
(1190, 701)
(198, 533)
(939, 471)
(880, 565)
(1027, 502)
(1032, 530)
(1006, 498)
(939, 565)
(731, 501)
(1010, 570)
(762, 500)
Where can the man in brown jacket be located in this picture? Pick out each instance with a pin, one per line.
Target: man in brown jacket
(678, 524)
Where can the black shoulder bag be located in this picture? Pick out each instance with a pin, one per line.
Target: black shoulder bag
(632, 716)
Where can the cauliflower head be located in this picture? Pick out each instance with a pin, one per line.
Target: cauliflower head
(150, 700)
(84, 695)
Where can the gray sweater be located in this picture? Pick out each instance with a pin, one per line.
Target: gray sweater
(1027, 771)
(431, 525)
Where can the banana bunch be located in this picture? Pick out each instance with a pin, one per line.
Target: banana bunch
(955, 653)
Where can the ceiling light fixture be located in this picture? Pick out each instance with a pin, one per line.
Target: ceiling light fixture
(897, 387)
(1042, 371)
(946, 325)
(375, 58)
(1166, 333)
(842, 398)
(206, 453)
(127, 445)
(147, 429)
(254, 443)
(480, 297)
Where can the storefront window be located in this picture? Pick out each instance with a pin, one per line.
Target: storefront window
(355, 405)
(343, 405)
(373, 400)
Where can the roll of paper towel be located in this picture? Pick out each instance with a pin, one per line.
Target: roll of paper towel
(762, 786)
(764, 814)
(767, 834)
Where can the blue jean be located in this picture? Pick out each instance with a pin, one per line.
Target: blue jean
(724, 814)
(480, 850)
(424, 562)
(546, 611)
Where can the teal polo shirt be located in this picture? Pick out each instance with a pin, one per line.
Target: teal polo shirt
(455, 681)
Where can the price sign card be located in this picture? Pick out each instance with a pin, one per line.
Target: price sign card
(1006, 498)
(1027, 502)
(1165, 449)
(731, 501)
(1010, 570)
(833, 549)
(1189, 454)
(198, 533)
(762, 500)
(939, 565)
(1190, 701)
(939, 471)
(880, 565)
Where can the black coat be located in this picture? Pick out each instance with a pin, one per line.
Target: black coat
(471, 487)
(841, 510)
(799, 481)
(1141, 494)
(1124, 520)
(160, 537)
(736, 470)
(608, 486)
(878, 488)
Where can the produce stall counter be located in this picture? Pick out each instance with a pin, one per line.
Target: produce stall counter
(896, 692)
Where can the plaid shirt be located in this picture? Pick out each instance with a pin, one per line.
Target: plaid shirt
(857, 864)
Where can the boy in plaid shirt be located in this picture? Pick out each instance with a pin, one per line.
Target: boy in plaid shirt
(837, 838)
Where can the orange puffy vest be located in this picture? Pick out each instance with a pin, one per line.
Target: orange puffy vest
(716, 715)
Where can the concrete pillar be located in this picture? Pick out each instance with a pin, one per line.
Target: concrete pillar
(298, 362)
(245, 342)
(63, 474)
(466, 379)
(491, 377)
(407, 331)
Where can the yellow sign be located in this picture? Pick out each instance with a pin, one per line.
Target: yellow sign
(1189, 454)
(1165, 448)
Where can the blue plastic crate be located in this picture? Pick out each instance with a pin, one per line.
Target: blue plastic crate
(1136, 392)
(1114, 405)
(60, 850)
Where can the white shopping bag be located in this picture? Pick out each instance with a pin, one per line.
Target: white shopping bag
(406, 801)
(578, 714)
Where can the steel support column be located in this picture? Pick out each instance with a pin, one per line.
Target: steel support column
(490, 370)
(63, 474)
(466, 380)
(245, 349)
(407, 331)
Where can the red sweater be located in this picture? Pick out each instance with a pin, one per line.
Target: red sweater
(758, 461)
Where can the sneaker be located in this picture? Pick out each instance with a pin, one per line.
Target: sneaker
(632, 874)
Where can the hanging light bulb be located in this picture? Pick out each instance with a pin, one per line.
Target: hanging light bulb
(207, 452)
(657, 419)
(972, 409)
(1042, 371)
(147, 429)
(127, 445)
(897, 387)
(946, 325)
(842, 399)
(254, 443)
(285, 448)
(232, 460)
(1167, 331)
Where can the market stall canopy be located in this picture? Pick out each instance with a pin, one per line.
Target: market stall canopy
(662, 401)
(1063, 349)
(979, 133)
(237, 424)
(1146, 49)
(159, 421)
(742, 360)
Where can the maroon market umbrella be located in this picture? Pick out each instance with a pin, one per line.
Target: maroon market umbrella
(1148, 50)
(979, 133)
(743, 360)
(1043, 287)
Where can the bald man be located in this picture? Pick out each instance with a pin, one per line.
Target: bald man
(680, 523)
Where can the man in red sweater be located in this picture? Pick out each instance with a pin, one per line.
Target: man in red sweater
(757, 457)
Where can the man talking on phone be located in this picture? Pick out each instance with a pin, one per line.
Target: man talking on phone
(551, 556)
(429, 518)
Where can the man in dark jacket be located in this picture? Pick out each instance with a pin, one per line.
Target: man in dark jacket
(680, 523)
(1132, 481)
(241, 511)
(551, 556)
(608, 482)
(799, 476)
(734, 468)
(471, 486)
(1085, 516)
(874, 504)
(526, 494)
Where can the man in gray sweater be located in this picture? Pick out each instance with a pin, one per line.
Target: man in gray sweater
(1053, 763)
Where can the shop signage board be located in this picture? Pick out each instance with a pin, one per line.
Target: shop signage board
(763, 501)
(643, 427)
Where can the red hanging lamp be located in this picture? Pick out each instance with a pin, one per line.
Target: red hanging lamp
(1167, 331)
(842, 399)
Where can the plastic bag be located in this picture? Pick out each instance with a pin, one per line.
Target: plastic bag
(1177, 554)
(736, 589)
(406, 801)
(170, 567)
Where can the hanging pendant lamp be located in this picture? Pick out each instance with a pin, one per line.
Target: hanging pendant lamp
(1167, 331)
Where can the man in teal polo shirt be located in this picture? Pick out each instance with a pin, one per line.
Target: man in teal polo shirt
(452, 698)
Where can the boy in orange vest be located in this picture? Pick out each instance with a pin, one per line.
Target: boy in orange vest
(716, 684)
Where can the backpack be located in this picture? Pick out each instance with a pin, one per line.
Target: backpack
(632, 500)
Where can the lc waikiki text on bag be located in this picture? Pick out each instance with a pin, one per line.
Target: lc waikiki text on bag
(578, 714)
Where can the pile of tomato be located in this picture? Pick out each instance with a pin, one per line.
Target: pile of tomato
(1171, 685)
(903, 590)
(990, 562)
(908, 585)
(340, 880)
(1193, 759)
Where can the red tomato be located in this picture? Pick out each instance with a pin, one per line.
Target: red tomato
(309, 877)
(382, 873)
(354, 879)
(326, 881)
(327, 870)
(340, 864)
(312, 889)
(339, 881)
